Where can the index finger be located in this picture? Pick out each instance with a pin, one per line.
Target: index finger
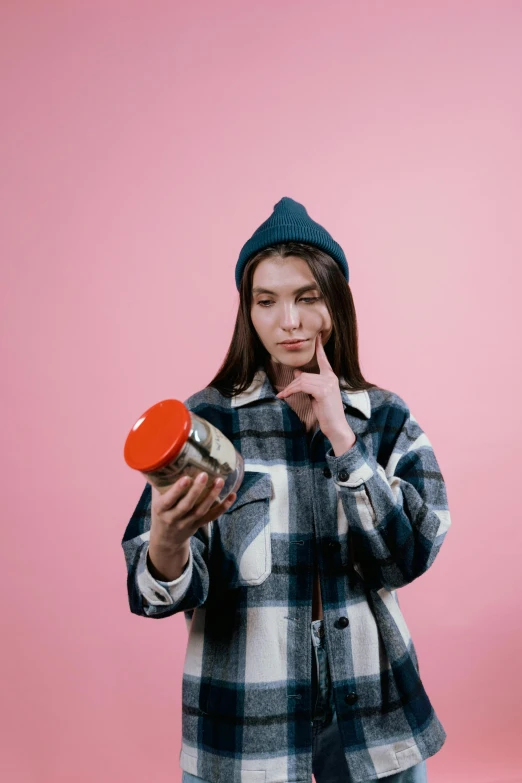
(322, 359)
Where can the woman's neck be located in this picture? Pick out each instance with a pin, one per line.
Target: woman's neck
(280, 376)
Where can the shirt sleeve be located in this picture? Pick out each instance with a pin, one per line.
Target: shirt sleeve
(149, 597)
(397, 511)
(156, 591)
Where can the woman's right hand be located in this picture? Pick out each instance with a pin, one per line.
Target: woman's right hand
(178, 513)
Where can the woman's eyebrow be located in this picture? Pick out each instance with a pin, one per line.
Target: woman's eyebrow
(258, 290)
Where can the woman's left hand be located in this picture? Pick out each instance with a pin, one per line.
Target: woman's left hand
(327, 403)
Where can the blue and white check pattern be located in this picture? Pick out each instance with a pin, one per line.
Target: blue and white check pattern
(375, 518)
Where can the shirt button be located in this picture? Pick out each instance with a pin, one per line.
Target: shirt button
(343, 475)
(327, 473)
(342, 622)
(351, 698)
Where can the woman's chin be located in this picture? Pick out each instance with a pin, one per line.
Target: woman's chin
(296, 358)
(303, 359)
(306, 363)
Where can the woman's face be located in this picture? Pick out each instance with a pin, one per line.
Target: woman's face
(282, 310)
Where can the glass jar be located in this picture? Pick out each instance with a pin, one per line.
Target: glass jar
(168, 441)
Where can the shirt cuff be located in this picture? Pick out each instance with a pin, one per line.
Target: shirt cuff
(352, 468)
(158, 592)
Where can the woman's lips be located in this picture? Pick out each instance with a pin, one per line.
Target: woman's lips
(294, 346)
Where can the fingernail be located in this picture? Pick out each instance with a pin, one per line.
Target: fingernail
(219, 482)
(202, 477)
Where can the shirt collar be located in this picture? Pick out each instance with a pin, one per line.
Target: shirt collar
(262, 389)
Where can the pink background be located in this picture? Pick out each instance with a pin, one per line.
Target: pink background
(142, 144)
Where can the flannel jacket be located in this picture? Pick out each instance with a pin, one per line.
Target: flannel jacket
(371, 520)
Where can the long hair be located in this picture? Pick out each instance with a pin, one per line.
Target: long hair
(246, 353)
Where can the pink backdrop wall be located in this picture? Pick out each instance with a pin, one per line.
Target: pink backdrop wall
(142, 143)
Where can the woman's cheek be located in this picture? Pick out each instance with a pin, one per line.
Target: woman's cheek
(326, 323)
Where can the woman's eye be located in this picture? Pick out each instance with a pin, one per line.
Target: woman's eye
(307, 299)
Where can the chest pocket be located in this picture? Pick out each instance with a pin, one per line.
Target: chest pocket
(241, 552)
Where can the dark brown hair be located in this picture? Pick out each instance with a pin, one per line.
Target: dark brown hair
(247, 353)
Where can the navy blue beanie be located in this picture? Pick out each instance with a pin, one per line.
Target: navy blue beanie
(289, 222)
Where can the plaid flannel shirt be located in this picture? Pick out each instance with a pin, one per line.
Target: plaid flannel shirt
(371, 520)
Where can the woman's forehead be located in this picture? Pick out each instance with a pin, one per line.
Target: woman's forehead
(283, 274)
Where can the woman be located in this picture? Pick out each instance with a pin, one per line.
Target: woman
(299, 660)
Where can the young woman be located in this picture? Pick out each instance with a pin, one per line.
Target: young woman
(299, 660)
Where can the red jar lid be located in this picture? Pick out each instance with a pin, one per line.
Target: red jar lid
(158, 436)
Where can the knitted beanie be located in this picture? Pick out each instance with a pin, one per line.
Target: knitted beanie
(289, 222)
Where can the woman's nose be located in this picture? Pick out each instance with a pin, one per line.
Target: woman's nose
(290, 317)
